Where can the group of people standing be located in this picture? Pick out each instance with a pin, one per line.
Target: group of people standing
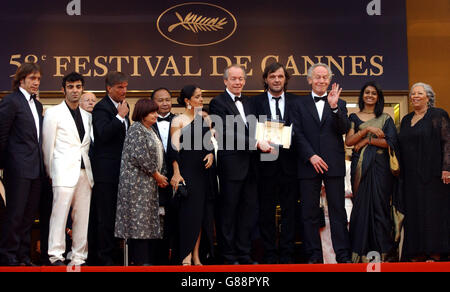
(173, 185)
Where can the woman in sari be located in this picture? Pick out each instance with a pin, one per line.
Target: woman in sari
(371, 134)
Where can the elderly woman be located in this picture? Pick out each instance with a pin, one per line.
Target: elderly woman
(425, 165)
(137, 217)
(372, 133)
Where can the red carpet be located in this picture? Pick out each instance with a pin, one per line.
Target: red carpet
(388, 267)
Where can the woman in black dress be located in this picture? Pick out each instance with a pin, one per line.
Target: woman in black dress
(193, 159)
(372, 133)
(425, 164)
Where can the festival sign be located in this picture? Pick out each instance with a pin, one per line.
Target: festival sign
(174, 43)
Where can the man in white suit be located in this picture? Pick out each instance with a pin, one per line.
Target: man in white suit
(66, 143)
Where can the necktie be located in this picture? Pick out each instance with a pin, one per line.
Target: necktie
(317, 98)
(238, 98)
(277, 107)
(166, 119)
(33, 97)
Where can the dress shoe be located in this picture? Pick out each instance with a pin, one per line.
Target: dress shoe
(9, 264)
(286, 261)
(58, 263)
(28, 264)
(314, 261)
(344, 261)
(248, 261)
(231, 263)
(271, 261)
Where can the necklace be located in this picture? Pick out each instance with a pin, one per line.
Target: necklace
(420, 112)
(367, 112)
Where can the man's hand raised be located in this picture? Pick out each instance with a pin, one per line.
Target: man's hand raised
(123, 109)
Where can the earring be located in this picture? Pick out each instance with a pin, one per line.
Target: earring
(189, 107)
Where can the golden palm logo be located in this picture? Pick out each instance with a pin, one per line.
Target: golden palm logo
(196, 23)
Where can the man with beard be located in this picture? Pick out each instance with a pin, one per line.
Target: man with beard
(277, 182)
(66, 146)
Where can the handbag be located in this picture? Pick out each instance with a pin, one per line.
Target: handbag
(393, 162)
(322, 222)
(182, 191)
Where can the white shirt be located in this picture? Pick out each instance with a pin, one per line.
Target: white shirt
(116, 104)
(164, 131)
(320, 105)
(239, 106)
(32, 105)
(273, 105)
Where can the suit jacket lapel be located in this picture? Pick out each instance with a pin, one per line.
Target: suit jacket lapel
(115, 111)
(111, 105)
(231, 105)
(312, 109)
(30, 115)
(287, 106)
(266, 106)
(72, 123)
(86, 124)
(41, 120)
(326, 113)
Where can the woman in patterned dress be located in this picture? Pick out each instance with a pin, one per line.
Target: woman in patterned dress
(137, 217)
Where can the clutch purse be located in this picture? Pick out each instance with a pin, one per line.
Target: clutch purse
(322, 222)
(182, 191)
(393, 162)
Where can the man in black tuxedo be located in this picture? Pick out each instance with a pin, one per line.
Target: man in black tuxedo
(110, 119)
(237, 168)
(163, 98)
(321, 121)
(21, 158)
(278, 177)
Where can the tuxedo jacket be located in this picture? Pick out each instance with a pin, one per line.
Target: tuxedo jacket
(109, 137)
(166, 193)
(234, 164)
(320, 137)
(62, 147)
(20, 148)
(286, 162)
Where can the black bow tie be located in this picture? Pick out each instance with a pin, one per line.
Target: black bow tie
(166, 119)
(324, 98)
(238, 98)
(33, 97)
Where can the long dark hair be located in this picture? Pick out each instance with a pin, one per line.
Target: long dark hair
(379, 106)
(22, 72)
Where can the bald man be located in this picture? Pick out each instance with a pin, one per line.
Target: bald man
(88, 101)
